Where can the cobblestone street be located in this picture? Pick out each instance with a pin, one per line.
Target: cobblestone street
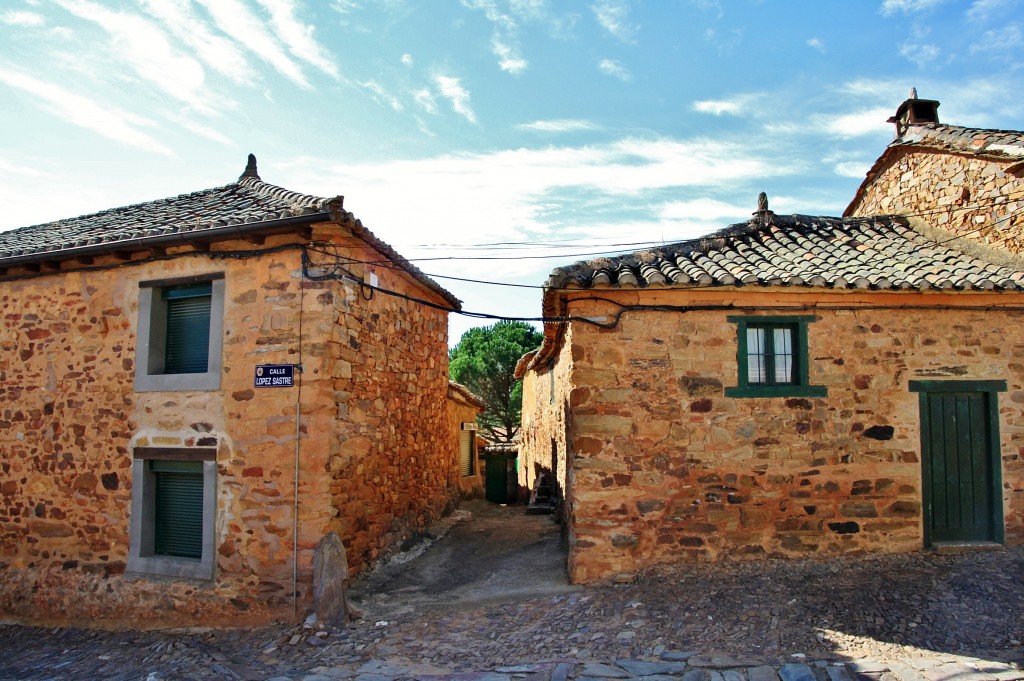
(918, 617)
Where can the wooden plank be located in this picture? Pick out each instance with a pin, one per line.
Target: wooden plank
(938, 459)
(951, 466)
(965, 466)
(982, 474)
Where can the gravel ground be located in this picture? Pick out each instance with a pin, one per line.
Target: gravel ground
(921, 607)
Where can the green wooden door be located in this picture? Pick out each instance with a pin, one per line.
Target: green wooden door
(497, 479)
(959, 485)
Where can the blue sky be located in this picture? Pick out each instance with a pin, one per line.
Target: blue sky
(448, 125)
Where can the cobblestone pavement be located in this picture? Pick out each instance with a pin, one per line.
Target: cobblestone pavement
(918, 617)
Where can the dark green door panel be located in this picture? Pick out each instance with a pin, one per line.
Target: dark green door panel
(959, 480)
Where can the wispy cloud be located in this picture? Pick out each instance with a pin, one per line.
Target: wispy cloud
(407, 59)
(147, 51)
(509, 58)
(197, 128)
(22, 18)
(734, 106)
(344, 6)
(215, 51)
(558, 125)
(103, 119)
(298, 37)
(890, 7)
(983, 10)
(610, 67)
(855, 124)
(855, 169)
(816, 44)
(237, 21)
(383, 95)
(704, 209)
(919, 54)
(1006, 41)
(425, 99)
(504, 41)
(613, 16)
(452, 90)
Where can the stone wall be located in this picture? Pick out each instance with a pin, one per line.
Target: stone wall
(394, 457)
(665, 467)
(375, 458)
(968, 195)
(71, 421)
(544, 422)
(461, 411)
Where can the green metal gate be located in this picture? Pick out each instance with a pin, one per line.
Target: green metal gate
(960, 460)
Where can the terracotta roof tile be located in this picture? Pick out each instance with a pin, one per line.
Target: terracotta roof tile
(249, 201)
(797, 251)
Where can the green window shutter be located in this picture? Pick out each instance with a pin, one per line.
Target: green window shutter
(178, 508)
(188, 329)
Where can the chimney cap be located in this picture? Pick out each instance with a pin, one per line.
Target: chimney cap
(914, 111)
(250, 168)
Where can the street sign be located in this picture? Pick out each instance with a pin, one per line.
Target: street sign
(275, 376)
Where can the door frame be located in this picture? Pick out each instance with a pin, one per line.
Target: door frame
(990, 390)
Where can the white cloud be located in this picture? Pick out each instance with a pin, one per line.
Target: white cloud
(216, 51)
(509, 58)
(854, 169)
(103, 119)
(504, 41)
(452, 90)
(559, 125)
(407, 59)
(735, 106)
(22, 18)
(236, 20)
(425, 99)
(816, 44)
(610, 67)
(378, 90)
(890, 7)
(982, 10)
(198, 128)
(1006, 41)
(297, 36)
(705, 209)
(145, 48)
(855, 124)
(919, 54)
(344, 6)
(613, 15)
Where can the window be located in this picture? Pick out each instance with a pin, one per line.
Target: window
(180, 334)
(467, 449)
(772, 358)
(173, 505)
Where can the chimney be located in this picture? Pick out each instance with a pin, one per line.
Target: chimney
(915, 111)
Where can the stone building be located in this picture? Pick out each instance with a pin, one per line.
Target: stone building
(789, 386)
(465, 407)
(956, 180)
(199, 396)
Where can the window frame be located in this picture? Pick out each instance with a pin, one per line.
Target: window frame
(141, 556)
(801, 358)
(152, 330)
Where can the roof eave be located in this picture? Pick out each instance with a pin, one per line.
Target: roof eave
(244, 229)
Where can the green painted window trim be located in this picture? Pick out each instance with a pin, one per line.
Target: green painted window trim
(802, 387)
(991, 390)
(992, 386)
